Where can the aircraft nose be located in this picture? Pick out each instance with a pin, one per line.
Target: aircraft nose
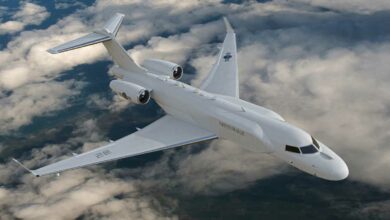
(340, 170)
(333, 167)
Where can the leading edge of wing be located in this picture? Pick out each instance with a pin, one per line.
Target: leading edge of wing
(165, 133)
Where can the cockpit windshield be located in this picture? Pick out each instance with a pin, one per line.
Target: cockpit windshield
(312, 148)
(309, 149)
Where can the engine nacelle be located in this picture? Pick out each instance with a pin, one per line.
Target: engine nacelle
(163, 67)
(130, 91)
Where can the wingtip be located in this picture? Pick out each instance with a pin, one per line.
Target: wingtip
(52, 51)
(24, 167)
(228, 26)
(120, 14)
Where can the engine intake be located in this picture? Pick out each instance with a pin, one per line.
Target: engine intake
(130, 91)
(163, 67)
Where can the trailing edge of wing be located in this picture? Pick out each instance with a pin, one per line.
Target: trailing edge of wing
(164, 133)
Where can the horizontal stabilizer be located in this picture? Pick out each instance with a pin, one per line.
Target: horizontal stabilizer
(90, 39)
(108, 32)
(105, 35)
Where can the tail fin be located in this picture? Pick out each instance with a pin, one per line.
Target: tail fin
(106, 35)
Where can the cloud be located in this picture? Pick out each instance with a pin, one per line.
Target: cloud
(61, 4)
(354, 6)
(379, 210)
(79, 193)
(301, 62)
(176, 48)
(223, 167)
(11, 27)
(28, 14)
(19, 108)
(116, 104)
(28, 67)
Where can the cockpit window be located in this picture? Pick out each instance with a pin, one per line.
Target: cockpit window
(292, 149)
(315, 143)
(309, 149)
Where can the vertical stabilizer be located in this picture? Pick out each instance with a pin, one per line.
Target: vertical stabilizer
(112, 25)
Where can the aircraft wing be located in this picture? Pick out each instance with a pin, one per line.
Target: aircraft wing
(167, 132)
(223, 77)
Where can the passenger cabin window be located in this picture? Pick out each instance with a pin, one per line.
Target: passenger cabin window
(292, 149)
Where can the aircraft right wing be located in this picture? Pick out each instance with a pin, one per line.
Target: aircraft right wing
(167, 132)
(223, 77)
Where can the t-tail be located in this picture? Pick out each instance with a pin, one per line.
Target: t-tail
(105, 35)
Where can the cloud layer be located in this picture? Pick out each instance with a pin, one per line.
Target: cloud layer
(28, 14)
(324, 71)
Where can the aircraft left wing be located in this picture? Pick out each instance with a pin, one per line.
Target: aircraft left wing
(167, 132)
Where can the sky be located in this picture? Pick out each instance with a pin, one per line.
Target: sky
(323, 65)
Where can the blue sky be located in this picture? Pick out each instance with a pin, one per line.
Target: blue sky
(323, 65)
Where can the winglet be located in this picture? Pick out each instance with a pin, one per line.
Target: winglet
(228, 26)
(24, 167)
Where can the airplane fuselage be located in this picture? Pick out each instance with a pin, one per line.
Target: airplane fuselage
(253, 127)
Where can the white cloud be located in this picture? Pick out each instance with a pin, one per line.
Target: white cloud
(176, 48)
(224, 166)
(355, 6)
(11, 27)
(34, 99)
(78, 193)
(61, 4)
(28, 67)
(116, 104)
(28, 14)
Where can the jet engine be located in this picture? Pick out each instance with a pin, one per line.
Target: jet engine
(163, 67)
(130, 91)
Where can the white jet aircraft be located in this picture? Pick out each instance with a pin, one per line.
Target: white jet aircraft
(196, 114)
